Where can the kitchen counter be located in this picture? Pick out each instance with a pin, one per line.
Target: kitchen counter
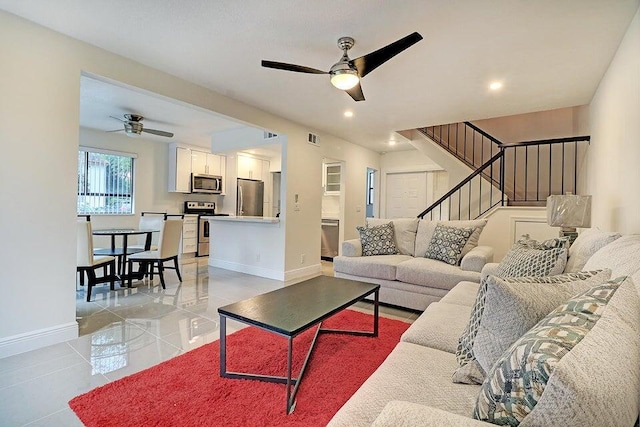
(253, 219)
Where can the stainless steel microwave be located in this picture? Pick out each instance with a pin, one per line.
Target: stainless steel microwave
(211, 184)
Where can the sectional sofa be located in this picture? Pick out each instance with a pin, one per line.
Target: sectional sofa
(597, 383)
(409, 279)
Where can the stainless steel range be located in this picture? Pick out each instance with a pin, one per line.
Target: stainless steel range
(202, 209)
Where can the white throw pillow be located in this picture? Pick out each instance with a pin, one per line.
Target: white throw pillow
(588, 243)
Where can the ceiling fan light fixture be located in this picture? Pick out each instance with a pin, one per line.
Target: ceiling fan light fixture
(343, 76)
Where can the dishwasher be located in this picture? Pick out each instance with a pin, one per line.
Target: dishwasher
(330, 239)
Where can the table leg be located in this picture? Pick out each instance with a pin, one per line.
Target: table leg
(124, 255)
(375, 313)
(223, 345)
(289, 361)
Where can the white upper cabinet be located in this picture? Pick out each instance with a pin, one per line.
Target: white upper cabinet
(206, 163)
(183, 161)
(331, 178)
(250, 167)
(179, 169)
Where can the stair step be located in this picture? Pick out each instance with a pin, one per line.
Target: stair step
(527, 203)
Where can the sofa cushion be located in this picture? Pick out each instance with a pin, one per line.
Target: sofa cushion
(404, 231)
(432, 273)
(375, 266)
(464, 293)
(377, 240)
(515, 305)
(426, 229)
(399, 413)
(586, 244)
(572, 362)
(447, 243)
(439, 326)
(622, 256)
(531, 298)
(523, 261)
(412, 373)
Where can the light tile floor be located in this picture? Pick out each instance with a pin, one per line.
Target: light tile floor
(126, 331)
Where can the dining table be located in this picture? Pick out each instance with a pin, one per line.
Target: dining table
(122, 252)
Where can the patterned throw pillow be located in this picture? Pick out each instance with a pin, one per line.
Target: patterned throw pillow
(377, 240)
(465, 351)
(557, 242)
(516, 382)
(447, 243)
(523, 261)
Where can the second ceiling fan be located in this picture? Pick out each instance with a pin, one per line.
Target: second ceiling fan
(346, 73)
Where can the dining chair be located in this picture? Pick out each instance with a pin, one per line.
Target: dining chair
(88, 263)
(168, 249)
(148, 221)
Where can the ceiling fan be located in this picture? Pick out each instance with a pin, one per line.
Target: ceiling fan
(134, 127)
(346, 73)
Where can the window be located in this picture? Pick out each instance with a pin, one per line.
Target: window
(370, 186)
(105, 182)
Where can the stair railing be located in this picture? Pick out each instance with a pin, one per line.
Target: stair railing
(465, 200)
(524, 173)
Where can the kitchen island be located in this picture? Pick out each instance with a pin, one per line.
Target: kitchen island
(248, 244)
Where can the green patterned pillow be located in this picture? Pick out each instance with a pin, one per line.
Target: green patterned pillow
(447, 243)
(377, 240)
(524, 261)
(465, 353)
(516, 382)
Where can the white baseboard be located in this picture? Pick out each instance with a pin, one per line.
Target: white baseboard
(248, 269)
(303, 273)
(284, 276)
(21, 343)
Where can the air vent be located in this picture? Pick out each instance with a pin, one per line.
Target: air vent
(269, 135)
(313, 139)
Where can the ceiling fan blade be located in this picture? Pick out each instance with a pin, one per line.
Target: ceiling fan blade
(117, 130)
(292, 67)
(118, 118)
(158, 132)
(356, 93)
(369, 62)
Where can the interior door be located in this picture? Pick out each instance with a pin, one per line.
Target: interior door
(406, 194)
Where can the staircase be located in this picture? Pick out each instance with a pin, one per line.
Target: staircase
(519, 174)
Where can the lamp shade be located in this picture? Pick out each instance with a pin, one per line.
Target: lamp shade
(569, 211)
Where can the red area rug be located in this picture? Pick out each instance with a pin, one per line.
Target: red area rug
(188, 391)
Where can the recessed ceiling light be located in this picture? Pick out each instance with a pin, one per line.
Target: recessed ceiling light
(495, 85)
(348, 113)
(392, 142)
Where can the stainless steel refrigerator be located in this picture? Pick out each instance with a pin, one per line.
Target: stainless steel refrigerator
(250, 197)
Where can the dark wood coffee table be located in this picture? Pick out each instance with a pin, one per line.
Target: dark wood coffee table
(290, 311)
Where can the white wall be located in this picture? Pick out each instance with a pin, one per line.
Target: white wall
(506, 224)
(559, 123)
(613, 160)
(39, 125)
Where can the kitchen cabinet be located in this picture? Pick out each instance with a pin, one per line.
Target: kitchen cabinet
(331, 178)
(179, 169)
(268, 188)
(206, 163)
(183, 161)
(190, 234)
(251, 167)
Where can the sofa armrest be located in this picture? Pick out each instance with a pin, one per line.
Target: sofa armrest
(406, 414)
(489, 268)
(352, 247)
(476, 258)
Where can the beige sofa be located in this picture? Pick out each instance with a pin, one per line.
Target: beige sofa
(408, 279)
(598, 385)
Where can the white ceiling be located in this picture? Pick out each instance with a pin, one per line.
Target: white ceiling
(99, 100)
(547, 53)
